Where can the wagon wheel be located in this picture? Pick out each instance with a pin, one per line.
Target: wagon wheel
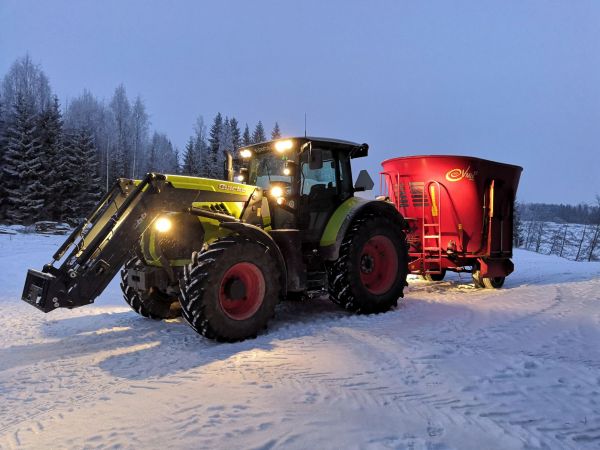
(486, 282)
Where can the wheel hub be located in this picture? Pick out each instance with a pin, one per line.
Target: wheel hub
(235, 289)
(366, 263)
(242, 290)
(378, 264)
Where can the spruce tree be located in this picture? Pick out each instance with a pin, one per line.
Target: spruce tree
(51, 129)
(176, 166)
(23, 168)
(236, 136)
(201, 147)
(276, 133)
(215, 134)
(246, 138)
(2, 148)
(191, 165)
(90, 189)
(259, 133)
(69, 186)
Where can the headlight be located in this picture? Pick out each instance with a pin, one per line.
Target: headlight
(240, 178)
(284, 146)
(276, 191)
(162, 224)
(245, 153)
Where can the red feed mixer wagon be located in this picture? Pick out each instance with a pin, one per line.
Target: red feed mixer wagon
(460, 213)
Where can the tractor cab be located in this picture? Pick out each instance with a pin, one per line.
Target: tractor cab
(306, 179)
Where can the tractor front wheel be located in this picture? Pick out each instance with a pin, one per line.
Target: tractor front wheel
(230, 290)
(151, 303)
(370, 274)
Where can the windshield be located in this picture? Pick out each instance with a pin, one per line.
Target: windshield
(267, 168)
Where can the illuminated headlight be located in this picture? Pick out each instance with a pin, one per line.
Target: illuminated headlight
(286, 171)
(276, 191)
(245, 153)
(162, 224)
(284, 146)
(240, 178)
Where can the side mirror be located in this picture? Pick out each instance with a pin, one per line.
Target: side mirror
(364, 182)
(315, 158)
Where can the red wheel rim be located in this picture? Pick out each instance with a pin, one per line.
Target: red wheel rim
(242, 291)
(378, 264)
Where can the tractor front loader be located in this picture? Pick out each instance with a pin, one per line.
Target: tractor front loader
(223, 253)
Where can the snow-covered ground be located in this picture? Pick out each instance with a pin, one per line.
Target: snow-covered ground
(452, 367)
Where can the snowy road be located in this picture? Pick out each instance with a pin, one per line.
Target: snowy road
(453, 367)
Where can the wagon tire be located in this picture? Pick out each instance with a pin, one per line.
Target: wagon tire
(369, 275)
(435, 276)
(493, 283)
(152, 303)
(487, 282)
(230, 290)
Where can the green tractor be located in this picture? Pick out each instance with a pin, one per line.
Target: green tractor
(222, 254)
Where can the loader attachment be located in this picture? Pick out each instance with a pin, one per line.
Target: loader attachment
(105, 240)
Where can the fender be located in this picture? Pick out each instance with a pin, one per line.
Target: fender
(345, 214)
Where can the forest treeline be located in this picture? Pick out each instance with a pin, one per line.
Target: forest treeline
(57, 160)
(567, 231)
(560, 213)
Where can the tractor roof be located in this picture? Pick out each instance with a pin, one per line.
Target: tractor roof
(356, 150)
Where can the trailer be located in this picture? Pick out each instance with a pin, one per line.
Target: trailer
(459, 210)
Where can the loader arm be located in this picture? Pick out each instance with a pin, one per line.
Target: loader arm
(103, 243)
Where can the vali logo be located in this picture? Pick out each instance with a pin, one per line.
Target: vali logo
(460, 174)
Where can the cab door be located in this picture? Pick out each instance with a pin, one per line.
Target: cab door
(322, 190)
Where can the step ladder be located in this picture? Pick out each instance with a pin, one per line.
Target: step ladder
(431, 241)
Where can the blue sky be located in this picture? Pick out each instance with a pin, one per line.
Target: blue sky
(514, 81)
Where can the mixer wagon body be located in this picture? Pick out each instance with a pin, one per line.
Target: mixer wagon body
(460, 213)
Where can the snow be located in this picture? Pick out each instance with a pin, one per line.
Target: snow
(452, 367)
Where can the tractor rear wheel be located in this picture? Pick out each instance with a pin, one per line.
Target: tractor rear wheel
(230, 290)
(370, 274)
(152, 303)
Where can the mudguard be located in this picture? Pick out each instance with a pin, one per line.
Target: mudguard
(345, 214)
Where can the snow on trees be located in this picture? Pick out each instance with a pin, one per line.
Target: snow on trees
(139, 129)
(121, 110)
(55, 163)
(22, 165)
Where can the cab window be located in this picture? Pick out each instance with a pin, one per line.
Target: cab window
(322, 178)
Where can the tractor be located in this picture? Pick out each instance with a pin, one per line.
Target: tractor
(223, 253)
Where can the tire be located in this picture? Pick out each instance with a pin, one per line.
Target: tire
(435, 276)
(153, 303)
(493, 283)
(229, 291)
(487, 283)
(370, 274)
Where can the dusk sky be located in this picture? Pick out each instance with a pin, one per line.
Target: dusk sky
(514, 81)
